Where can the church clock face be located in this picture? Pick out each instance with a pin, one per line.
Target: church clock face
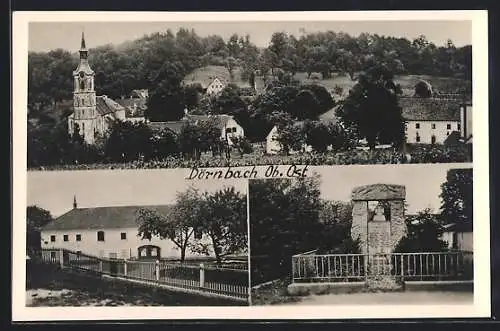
(82, 74)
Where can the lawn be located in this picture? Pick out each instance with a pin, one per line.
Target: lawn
(48, 286)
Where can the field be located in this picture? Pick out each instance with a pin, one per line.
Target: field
(407, 82)
(205, 74)
(47, 286)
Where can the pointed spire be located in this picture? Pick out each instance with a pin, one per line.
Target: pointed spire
(82, 46)
(75, 205)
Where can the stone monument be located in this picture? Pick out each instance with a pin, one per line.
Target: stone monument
(379, 224)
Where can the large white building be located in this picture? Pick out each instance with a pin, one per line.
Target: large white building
(110, 232)
(431, 120)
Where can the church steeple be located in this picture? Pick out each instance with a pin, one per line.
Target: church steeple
(83, 49)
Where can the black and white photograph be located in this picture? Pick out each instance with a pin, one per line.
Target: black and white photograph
(124, 239)
(210, 94)
(250, 165)
(392, 235)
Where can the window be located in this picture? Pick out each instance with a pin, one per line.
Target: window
(198, 234)
(433, 140)
(417, 138)
(433, 125)
(448, 126)
(448, 133)
(78, 237)
(458, 127)
(52, 255)
(65, 237)
(123, 236)
(100, 236)
(417, 126)
(52, 238)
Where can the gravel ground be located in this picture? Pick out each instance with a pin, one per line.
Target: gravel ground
(389, 298)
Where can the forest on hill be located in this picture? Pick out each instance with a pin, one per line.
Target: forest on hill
(160, 61)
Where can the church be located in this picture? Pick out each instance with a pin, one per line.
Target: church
(92, 114)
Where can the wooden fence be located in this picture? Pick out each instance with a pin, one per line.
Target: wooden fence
(205, 278)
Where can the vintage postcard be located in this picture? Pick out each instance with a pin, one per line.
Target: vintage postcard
(281, 165)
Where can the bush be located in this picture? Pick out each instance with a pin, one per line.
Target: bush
(419, 154)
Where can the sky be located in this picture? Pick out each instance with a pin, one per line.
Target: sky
(422, 182)
(54, 190)
(45, 36)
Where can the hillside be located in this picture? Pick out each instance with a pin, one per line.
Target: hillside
(205, 75)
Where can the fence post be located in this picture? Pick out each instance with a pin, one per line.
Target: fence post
(365, 266)
(61, 258)
(402, 272)
(125, 268)
(100, 266)
(157, 270)
(202, 275)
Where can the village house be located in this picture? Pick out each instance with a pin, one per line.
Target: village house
(274, 147)
(458, 236)
(92, 115)
(215, 87)
(228, 126)
(432, 120)
(110, 232)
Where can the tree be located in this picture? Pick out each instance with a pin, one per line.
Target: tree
(223, 218)
(178, 226)
(164, 143)
(317, 135)
(372, 109)
(129, 141)
(423, 89)
(290, 137)
(456, 197)
(36, 218)
(423, 234)
(166, 100)
(336, 219)
(305, 105)
(284, 221)
(229, 100)
(192, 94)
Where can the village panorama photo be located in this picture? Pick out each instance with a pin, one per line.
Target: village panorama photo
(216, 94)
(101, 238)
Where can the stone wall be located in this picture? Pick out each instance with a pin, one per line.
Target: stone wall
(378, 237)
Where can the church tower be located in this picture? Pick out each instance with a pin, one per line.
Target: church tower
(84, 98)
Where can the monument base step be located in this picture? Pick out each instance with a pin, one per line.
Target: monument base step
(383, 283)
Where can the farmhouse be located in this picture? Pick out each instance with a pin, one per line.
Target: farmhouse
(228, 126)
(93, 114)
(110, 232)
(431, 120)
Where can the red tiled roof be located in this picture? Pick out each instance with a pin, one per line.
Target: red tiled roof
(101, 217)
